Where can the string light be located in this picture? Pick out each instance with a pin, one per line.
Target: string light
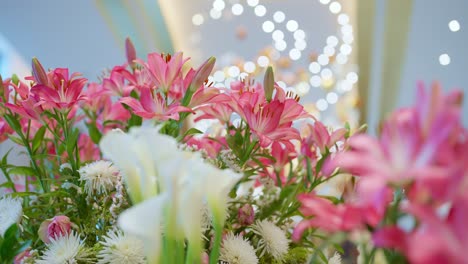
(299, 34)
(252, 2)
(197, 19)
(249, 67)
(339, 45)
(279, 17)
(281, 45)
(292, 25)
(332, 98)
(234, 71)
(219, 76)
(315, 81)
(263, 61)
(278, 35)
(454, 26)
(219, 5)
(322, 105)
(260, 10)
(268, 26)
(237, 9)
(314, 67)
(335, 7)
(302, 88)
(295, 54)
(215, 14)
(444, 59)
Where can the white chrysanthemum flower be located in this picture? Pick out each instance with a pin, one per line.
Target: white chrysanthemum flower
(237, 250)
(99, 176)
(10, 212)
(120, 248)
(273, 239)
(335, 259)
(65, 249)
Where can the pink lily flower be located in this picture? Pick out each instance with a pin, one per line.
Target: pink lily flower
(62, 92)
(444, 237)
(164, 69)
(154, 106)
(88, 150)
(116, 82)
(330, 217)
(219, 111)
(264, 120)
(283, 154)
(320, 137)
(5, 130)
(405, 151)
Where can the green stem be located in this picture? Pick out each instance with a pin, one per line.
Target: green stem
(33, 161)
(7, 175)
(66, 135)
(214, 256)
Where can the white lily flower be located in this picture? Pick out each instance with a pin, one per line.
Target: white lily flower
(174, 183)
(138, 154)
(144, 221)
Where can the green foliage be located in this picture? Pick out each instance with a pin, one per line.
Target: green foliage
(11, 244)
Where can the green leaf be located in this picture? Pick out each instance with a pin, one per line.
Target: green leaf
(94, 133)
(22, 170)
(191, 131)
(17, 140)
(134, 121)
(37, 140)
(4, 161)
(309, 170)
(11, 232)
(13, 122)
(73, 141)
(23, 194)
(6, 185)
(15, 79)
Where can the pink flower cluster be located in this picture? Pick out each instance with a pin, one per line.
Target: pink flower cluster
(417, 169)
(54, 228)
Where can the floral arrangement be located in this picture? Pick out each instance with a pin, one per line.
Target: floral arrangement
(154, 165)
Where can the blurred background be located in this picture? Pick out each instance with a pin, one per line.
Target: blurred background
(347, 59)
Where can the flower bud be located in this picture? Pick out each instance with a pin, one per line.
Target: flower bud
(205, 259)
(202, 73)
(269, 83)
(21, 257)
(130, 51)
(246, 215)
(54, 228)
(39, 73)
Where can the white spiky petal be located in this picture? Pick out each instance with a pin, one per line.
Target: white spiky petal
(335, 259)
(237, 250)
(67, 249)
(10, 212)
(99, 176)
(120, 248)
(273, 239)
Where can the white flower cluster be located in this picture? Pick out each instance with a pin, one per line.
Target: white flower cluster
(11, 211)
(120, 248)
(99, 176)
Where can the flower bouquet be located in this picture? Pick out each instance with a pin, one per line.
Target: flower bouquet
(152, 164)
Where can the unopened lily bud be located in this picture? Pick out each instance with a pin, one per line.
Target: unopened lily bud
(246, 215)
(39, 73)
(130, 51)
(54, 228)
(269, 83)
(202, 73)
